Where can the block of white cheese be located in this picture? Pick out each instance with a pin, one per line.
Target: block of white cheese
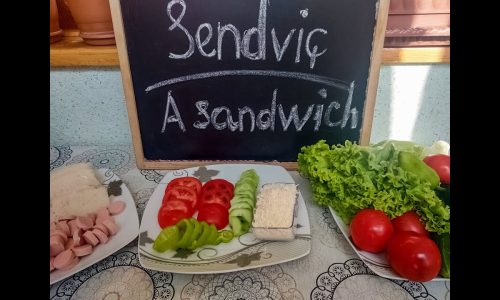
(274, 212)
(75, 191)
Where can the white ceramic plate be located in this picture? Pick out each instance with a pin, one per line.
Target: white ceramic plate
(376, 262)
(128, 221)
(244, 252)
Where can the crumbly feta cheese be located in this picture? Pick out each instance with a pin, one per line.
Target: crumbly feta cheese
(273, 218)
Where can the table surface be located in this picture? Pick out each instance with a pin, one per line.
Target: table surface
(326, 273)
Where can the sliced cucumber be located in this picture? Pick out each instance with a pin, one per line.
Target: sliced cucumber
(243, 202)
(252, 183)
(243, 199)
(244, 214)
(242, 205)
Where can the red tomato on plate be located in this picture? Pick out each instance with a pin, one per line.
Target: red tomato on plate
(181, 193)
(409, 221)
(414, 256)
(371, 230)
(441, 164)
(217, 191)
(219, 185)
(214, 214)
(168, 217)
(179, 205)
(187, 181)
(218, 198)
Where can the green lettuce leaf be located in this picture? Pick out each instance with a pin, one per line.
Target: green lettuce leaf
(350, 177)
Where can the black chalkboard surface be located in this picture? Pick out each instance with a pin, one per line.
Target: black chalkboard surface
(246, 80)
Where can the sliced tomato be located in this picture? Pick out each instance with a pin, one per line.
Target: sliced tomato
(179, 205)
(187, 181)
(168, 217)
(214, 214)
(181, 193)
(216, 197)
(220, 185)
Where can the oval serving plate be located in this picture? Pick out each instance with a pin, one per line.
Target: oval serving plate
(128, 222)
(244, 252)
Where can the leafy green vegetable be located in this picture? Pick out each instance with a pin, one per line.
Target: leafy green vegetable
(411, 163)
(350, 177)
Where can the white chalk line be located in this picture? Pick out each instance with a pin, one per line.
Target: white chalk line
(270, 73)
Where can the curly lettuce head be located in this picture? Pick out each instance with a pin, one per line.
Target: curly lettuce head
(350, 177)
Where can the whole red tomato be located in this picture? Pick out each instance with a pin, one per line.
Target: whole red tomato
(409, 221)
(441, 164)
(414, 256)
(371, 230)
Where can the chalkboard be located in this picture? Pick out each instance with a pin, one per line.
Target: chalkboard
(246, 80)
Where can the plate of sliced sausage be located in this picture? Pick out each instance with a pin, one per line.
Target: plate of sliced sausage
(78, 242)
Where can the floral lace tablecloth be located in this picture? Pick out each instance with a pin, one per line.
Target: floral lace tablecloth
(331, 271)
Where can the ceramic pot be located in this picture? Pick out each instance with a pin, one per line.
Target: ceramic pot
(55, 30)
(93, 18)
(419, 7)
(418, 23)
(66, 20)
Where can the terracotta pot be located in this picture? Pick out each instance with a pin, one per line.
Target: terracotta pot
(419, 7)
(418, 23)
(93, 18)
(55, 30)
(66, 20)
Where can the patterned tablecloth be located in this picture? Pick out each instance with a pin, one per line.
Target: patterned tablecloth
(331, 271)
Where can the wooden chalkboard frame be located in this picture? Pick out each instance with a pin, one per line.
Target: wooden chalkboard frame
(142, 163)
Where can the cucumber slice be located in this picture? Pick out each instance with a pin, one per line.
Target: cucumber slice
(241, 204)
(236, 225)
(246, 194)
(246, 181)
(244, 214)
(250, 173)
(245, 186)
(243, 199)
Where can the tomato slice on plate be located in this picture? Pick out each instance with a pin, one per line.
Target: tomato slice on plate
(214, 214)
(190, 182)
(181, 193)
(220, 185)
(179, 205)
(216, 197)
(168, 217)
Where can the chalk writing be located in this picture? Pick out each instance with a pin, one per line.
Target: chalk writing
(242, 42)
(221, 117)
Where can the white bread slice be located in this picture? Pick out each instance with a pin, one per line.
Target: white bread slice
(75, 191)
(78, 202)
(72, 177)
(73, 168)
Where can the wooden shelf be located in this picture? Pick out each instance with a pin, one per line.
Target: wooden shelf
(417, 55)
(71, 51)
